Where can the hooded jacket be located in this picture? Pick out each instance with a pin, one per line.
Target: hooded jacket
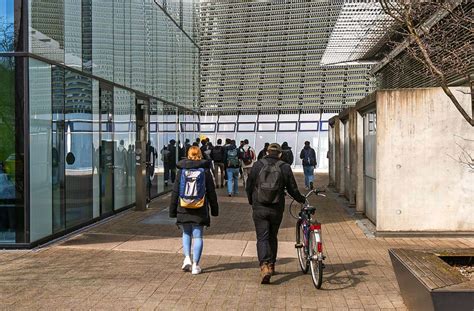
(288, 184)
(201, 215)
(287, 154)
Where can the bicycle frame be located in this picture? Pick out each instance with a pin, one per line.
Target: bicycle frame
(308, 228)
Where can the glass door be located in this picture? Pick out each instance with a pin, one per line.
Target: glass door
(106, 149)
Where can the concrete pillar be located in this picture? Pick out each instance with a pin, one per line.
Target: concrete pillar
(353, 156)
(331, 144)
(359, 163)
(340, 151)
(337, 153)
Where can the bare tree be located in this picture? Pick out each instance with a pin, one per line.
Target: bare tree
(6, 36)
(439, 44)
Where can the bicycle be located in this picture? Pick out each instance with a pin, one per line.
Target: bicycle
(309, 244)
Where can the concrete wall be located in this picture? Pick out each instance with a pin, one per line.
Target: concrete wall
(421, 186)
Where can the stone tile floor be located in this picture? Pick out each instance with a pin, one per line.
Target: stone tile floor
(133, 262)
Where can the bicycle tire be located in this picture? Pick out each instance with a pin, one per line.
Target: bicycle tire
(302, 258)
(316, 265)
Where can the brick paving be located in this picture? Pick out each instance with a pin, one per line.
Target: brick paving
(132, 262)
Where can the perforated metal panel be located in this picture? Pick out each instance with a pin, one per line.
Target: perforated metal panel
(266, 55)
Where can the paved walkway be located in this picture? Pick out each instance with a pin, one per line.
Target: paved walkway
(133, 262)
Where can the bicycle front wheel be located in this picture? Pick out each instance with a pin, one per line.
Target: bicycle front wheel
(315, 263)
(301, 248)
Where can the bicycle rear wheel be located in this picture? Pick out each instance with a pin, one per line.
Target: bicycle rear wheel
(300, 250)
(315, 263)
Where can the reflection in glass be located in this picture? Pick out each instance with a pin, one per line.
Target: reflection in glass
(124, 141)
(102, 40)
(137, 26)
(73, 33)
(47, 29)
(8, 156)
(40, 167)
(57, 148)
(78, 148)
(106, 150)
(168, 150)
(7, 36)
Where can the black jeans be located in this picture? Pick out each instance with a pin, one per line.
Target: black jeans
(169, 171)
(267, 223)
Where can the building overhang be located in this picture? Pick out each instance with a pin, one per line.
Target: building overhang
(361, 29)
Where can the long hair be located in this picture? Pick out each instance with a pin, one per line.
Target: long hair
(194, 153)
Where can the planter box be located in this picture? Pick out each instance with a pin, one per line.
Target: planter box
(428, 283)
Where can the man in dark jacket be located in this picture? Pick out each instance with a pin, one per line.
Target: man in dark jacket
(170, 167)
(286, 153)
(218, 158)
(308, 157)
(263, 152)
(268, 217)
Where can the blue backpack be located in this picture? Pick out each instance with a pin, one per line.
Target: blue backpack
(192, 188)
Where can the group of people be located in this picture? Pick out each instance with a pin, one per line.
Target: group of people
(229, 162)
(266, 177)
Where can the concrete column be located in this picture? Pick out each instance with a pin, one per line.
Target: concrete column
(337, 154)
(359, 163)
(341, 163)
(331, 143)
(353, 156)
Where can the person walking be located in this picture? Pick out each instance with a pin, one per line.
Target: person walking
(263, 152)
(266, 185)
(206, 150)
(193, 193)
(217, 156)
(286, 153)
(247, 159)
(232, 159)
(226, 147)
(308, 157)
(170, 163)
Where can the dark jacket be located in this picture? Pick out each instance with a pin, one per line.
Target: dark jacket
(195, 216)
(261, 154)
(289, 183)
(312, 156)
(172, 156)
(218, 154)
(287, 155)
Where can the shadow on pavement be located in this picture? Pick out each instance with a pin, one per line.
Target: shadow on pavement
(242, 265)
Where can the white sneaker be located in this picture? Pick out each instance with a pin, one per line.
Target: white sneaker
(196, 269)
(187, 264)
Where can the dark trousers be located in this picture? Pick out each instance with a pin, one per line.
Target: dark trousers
(267, 223)
(169, 171)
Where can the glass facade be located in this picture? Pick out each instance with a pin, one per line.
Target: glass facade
(69, 109)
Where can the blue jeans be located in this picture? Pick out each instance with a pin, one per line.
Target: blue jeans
(308, 175)
(232, 180)
(192, 232)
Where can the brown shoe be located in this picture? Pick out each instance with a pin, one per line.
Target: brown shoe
(271, 267)
(265, 273)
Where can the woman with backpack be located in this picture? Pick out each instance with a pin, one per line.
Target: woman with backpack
(193, 194)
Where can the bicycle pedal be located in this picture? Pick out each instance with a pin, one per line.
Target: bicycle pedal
(299, 245)
(324, 257)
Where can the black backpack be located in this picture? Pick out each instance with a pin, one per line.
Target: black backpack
(269, 182)
(218, 154)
